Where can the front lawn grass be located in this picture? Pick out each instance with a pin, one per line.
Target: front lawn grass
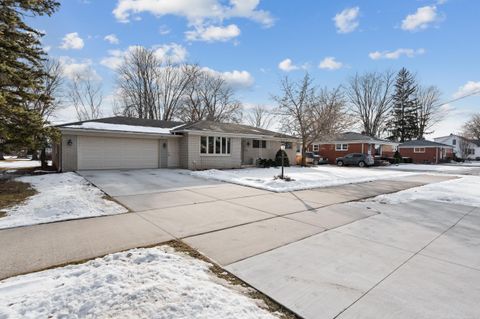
(13, 192)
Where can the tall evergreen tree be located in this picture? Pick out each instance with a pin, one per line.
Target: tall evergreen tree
(403, 122)
(21, 74)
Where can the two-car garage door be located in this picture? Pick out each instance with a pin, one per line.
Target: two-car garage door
(116, 153)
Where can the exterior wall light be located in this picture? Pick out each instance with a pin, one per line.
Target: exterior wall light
(69, 142)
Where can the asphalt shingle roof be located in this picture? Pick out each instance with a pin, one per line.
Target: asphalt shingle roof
(353, 136)
(206, 126)
(423, 143)
(129, 121)
(231, 128)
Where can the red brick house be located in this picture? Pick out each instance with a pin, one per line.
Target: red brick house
(426, 152)
(351, 142)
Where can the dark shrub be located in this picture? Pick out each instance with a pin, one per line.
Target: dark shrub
(278, 158)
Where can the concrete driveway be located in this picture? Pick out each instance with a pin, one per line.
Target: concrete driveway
(318, 252)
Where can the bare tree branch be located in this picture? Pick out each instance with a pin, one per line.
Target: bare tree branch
(260, 116)
(429, 111)
(370, 99)
(85, 94)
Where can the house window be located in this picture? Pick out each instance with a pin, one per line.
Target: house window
(419, 149)
(215, 145)
(288, 145)
(259, 144)
(454, 142)
(470, 151)
(203, 145)
(316, 147)
(341, 147)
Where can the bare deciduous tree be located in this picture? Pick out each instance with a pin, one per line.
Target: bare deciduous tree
(85, 94)
(472, 127)
(209, 97)
(137, 84)
(150, 87)
(429, 111)
(463, 146)
(309, 114)
(50, 96)
(260, 116)
(370, 98)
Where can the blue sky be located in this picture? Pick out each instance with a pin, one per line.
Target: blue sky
(254, 43)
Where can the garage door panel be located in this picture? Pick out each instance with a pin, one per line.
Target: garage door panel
(116, 153)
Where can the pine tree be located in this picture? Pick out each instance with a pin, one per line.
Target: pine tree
(403, 123)
(22, 75)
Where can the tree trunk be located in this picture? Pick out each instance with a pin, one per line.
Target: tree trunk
(34, 155)
(43, 159)
(2, 158)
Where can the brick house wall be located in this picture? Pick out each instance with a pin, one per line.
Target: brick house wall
(328, 150)
(431, 155)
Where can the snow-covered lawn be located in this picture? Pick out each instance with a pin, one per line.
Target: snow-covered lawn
(18, 163)
(427, 168)
(463, 191)
(141, 283)
(304, 177)
(60, 197)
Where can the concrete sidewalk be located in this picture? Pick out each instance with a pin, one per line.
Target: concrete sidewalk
(237, 220)
(414, 260)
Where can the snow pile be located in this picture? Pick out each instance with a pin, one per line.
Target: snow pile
(60, 196)
(18, 163)
(304, 177)
(140, 283)
(428, 168)
(463, 191)
(121, 127)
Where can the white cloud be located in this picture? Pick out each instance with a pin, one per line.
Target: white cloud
(72, 68)
(173, 52)
(213, 33)
(393, 55)
(72, 41)
(112, 38)
(204, 16)
(195, 11)
(287, 65)
(421, 19)
(114, 60)
(330, 63)
(236, 79)
(469, 88)
(347, 20)
(164, 30)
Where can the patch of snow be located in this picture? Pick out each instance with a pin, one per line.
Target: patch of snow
(140, 283)
(426, 168)
(60, 197)
(304, 177)
(462, 191)
(18, 163)
(121, 127)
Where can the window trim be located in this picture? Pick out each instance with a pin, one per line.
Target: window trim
(316, 147)
(341, 149)
(419, 150)
(225, 149)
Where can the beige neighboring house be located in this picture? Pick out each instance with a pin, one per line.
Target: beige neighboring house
(132, 143)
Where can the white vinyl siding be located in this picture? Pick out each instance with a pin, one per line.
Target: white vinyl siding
(117, 153)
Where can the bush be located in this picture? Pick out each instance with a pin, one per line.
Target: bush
(265, 163)
(397, 158)
(278, 158)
